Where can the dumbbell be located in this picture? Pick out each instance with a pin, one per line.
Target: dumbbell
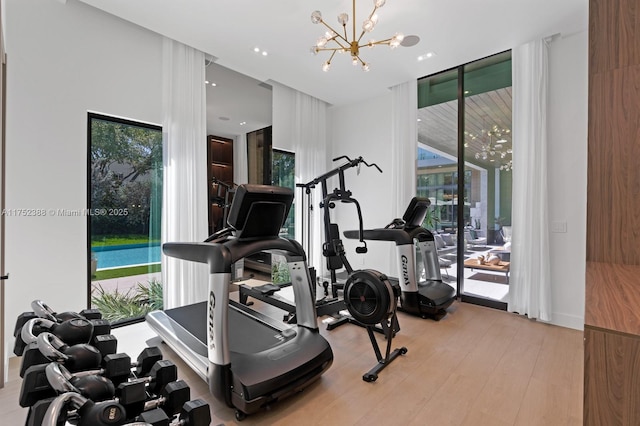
(89, 413)
(36, 385)
(131, 395)
(48, 347)
(172, 397)
(71, 331)
(75, 357)
(193, 413)
(118, 367)
(41, 310)
(100, 326)
(75, 331)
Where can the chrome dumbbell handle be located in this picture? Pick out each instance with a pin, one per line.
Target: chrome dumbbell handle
(27, 330)
(43, 310)
(60, 378)
(59, 404)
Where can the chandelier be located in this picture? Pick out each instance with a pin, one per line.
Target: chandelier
(342, 43)
(490, 148)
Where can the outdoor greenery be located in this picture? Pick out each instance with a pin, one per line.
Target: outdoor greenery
(279, 272)
(283, 174)
(117, 240)
(133, 303)
(125, 181)
(125, 272)
(126, 178)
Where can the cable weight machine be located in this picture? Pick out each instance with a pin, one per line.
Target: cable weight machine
(368, 295)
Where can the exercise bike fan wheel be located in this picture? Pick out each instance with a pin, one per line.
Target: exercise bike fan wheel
(369, 297)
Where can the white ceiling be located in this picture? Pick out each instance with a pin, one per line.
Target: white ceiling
(458, 31)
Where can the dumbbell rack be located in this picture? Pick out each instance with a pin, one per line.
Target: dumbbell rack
(147, 390)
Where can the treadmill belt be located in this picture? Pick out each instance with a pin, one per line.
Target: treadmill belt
(246, 335)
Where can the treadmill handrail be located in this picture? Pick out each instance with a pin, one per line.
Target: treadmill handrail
(220, 256)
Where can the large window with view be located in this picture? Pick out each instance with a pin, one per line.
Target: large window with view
(464, 168)
(125, 201)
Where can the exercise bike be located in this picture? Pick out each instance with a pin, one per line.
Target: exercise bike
(429, 298)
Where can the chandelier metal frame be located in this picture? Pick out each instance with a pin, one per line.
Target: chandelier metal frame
(353, 46)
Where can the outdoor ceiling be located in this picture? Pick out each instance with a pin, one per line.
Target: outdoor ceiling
(438, 126)
(458, 31)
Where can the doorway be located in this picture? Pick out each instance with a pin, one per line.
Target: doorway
(464, 168)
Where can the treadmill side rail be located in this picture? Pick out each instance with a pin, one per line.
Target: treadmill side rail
(303, 295)
(218, 319)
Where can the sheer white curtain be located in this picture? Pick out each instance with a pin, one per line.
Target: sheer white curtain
(530, 282)
(184, 212)
(300, 121)
(404, 147)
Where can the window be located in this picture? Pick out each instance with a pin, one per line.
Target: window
(124, 205)
(283, 174)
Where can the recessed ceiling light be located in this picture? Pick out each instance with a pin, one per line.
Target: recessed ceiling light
(206, 82)
(260, 51)
(419, 119)
(214, 84)
(427, 55)
(243, 123)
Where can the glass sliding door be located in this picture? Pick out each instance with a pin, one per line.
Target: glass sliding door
(437, 165)
(487, 151)
(464, 168)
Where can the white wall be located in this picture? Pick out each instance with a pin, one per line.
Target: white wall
(567, 119)
(365, 129)
(63, 60)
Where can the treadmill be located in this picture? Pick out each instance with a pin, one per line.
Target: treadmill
(248, 359)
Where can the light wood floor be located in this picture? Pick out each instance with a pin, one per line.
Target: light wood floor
(477, 366)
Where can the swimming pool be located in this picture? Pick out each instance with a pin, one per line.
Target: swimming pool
(127, 255)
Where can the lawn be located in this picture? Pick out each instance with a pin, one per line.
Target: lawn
(115, 240)
(126, 272)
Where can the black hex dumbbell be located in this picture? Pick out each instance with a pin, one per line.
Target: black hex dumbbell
(118, 367)
(193, 413)
(133, 395)
(35, 385)
(172, 397)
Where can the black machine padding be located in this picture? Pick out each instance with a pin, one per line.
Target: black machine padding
(416, 212)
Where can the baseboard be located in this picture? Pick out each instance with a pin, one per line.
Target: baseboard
(568, 321)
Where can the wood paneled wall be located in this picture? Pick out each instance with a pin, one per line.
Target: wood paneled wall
(613, 218)
(612, 311)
